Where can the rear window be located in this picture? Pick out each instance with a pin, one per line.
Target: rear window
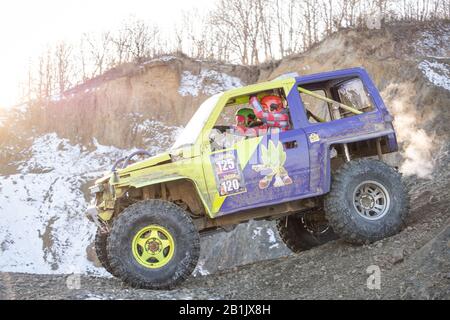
(319, 105)
(354, 94)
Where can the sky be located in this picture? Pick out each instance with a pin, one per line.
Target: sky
(27, 27)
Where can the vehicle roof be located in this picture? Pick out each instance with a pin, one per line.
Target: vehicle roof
(290, 79)
(331, 74)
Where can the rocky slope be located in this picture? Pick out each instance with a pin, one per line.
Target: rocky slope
(414, 264)
(51, 150)
(410, 65)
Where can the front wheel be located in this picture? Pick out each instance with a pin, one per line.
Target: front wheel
(367, 201)
(153, 244)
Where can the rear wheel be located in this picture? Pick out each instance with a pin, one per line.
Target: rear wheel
(302, 232)
(154, 245)
(367, 201)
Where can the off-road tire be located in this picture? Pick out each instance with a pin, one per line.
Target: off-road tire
(296, 236)
(100, 242)
(140, 215)
(340, 209)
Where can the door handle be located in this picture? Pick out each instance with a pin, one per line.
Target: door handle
(290, 144)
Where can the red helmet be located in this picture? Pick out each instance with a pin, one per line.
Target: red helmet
(272, 104)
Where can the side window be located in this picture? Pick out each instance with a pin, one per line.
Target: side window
(354, 94)
(221, 136)
(316, 110)
(227, 116)
(327, 101)
(251, 116)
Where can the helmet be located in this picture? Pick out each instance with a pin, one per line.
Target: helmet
(245, 116)
(272, 104)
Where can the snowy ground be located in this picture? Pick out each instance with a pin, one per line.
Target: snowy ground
(42, 224)
(433, 46)
(208, 82)
(437, 73)
(156, 135)
(434, 43)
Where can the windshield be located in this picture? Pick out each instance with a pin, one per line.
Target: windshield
(192, 130)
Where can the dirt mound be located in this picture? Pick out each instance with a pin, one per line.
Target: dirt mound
(168, 89)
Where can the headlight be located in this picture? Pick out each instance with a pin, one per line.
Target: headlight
(96, 189)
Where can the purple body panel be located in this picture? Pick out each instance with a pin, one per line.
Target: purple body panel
(297, 165)
(308, 160)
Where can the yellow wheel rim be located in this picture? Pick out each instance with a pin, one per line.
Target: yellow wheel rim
(153, 246)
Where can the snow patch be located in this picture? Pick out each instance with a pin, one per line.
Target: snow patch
(93, 296)
(434, 44)
(160, 59)
(200, 269)
(208, 82)
(156, 134)
(271, 234)
(437, 73)
(256, 232)
(42, 224)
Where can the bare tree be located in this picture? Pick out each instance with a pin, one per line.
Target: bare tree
(143, 40)
(63, 61)
(121, 41)
(244, 31)
(327, 9)
(82, 61)
(242, 18)
(100, 52)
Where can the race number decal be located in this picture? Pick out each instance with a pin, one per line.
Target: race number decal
(228, 174)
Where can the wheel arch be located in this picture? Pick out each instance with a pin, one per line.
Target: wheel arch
(179, 190)
(352, 141)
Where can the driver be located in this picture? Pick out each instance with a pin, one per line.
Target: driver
(272, 112)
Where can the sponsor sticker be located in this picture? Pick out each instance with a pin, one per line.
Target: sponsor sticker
(314, 137)
(228, 173)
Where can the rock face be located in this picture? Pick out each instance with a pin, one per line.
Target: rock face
(51, 150)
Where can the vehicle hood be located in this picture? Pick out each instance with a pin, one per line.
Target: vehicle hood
(149, 162)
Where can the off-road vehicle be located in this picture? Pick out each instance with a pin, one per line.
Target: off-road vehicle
(312, 160)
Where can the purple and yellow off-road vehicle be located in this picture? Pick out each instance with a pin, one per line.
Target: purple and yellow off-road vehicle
(306, 151)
